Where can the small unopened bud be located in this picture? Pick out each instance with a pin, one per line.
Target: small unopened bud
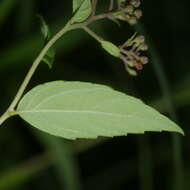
(144, 60)
(138, 13)
(135, 3)
(132, 72)
(132, 20)
(131, 63)
(139, 66)
(122, 3)
(131, 51)
(140, 39)
(143, 47)
(129, 9)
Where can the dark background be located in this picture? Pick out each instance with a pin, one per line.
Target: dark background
(30, 159)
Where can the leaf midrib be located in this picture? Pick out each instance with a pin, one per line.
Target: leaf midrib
(75, 111)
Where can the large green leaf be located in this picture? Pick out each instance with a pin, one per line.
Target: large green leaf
(83, 12)
(84, 110)
(76, 4)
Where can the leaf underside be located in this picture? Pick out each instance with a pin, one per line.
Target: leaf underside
(83, 11)
(85, 110)
(76, 4)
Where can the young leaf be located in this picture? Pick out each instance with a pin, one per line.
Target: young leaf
(84, 110)
(83, 11)
(111, 48)
(50, 55)
(76, 4)
(44, 28)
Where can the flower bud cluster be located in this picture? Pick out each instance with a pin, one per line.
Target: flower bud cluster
(131, 54)
(129, 11)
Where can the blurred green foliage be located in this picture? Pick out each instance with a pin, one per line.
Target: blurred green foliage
(31, 160)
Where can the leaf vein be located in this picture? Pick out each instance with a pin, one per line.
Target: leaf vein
(66, 92)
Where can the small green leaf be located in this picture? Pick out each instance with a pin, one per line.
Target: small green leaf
(76, 4)
(44, 28)
(84, 110)
(111, 48)
(50, 55)
(83, 12)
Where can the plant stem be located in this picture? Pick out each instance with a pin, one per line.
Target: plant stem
(93, 34)
(6, 115)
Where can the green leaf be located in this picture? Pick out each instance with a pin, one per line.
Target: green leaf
(111, 48)
(84, 110)
(76, 4)
(83, 11)
(44, 28)
(50, 55)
